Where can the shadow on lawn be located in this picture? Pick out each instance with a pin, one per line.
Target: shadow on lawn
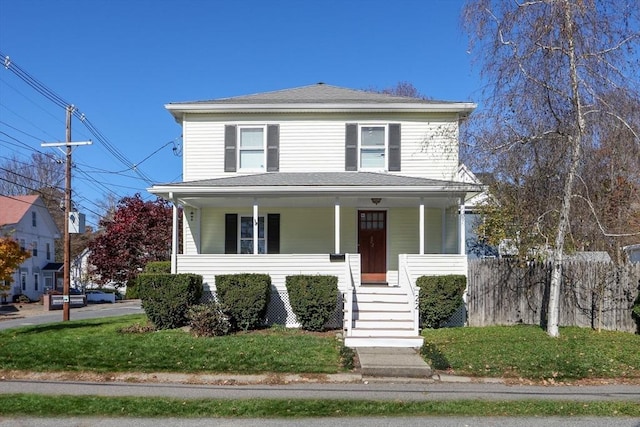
(61, 326)
(436, 358)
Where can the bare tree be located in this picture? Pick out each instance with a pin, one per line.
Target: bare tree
(551, 68)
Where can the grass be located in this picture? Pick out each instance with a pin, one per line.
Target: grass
(528, 352)
(513, 352)
(98, 346)
(37, 405)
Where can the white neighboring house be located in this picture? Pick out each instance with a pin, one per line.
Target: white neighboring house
(325, 180)
(27, 220)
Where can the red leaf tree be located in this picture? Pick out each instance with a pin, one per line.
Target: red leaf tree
(136, 233)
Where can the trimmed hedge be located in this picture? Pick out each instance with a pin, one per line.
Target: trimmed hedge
(244, 298)
(155, 267)
(440, 297)
(166, 298)
(313, 299)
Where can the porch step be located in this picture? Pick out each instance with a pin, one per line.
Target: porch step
(372, 314)
(375, 332)
(384, 341)
(367, 297)
(384, 324)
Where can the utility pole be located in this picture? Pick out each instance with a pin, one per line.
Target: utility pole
(66, 285)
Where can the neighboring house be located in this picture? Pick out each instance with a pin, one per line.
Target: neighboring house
(80, 270)
(27, 220)
(325, 180)
(633, 252)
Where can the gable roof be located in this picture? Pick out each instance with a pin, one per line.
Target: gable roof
(318, 97)
(13, 208)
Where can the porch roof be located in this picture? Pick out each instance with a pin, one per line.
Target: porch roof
(323, 184)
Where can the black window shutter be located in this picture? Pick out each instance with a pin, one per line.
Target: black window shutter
(273, 233)
(351, 148)
(273, 148)
(231, 233)
(230, 148)
(394, 147)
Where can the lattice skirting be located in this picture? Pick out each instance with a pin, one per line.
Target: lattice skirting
(279, 311)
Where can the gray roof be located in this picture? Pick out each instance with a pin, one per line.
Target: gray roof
(320, 179)
(317, 94)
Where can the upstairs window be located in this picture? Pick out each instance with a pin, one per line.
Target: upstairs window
(251, 148)
(48, 251)
(373, 148)
(34, 223)
(34, 249)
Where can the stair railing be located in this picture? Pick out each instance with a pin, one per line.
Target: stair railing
(405, 281)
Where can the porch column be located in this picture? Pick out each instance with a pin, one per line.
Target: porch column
(462, 231)
(336, 227)
(421, 226)
(174, 238)
(255, 227)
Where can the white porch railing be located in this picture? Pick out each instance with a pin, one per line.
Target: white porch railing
(406, 282)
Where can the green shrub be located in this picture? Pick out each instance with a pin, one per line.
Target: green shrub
(440, 297)
(347, 357)
(166, 298)
(244, 298)
(208, 320)
(155, 267)
(313, 299)
(132, 289)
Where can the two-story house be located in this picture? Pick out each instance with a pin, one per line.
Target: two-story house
(325, 180)
(27, 220)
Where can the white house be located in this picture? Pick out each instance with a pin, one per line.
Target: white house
(27, 220)
(325, 180)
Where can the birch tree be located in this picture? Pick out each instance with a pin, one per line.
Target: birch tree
(551, 67)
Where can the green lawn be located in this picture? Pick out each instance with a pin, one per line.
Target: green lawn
(512, 352)
(98, 346)
(528, 352)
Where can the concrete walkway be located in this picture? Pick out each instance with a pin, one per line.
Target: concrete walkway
(392, 362)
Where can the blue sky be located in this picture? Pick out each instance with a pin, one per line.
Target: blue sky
(120, 61)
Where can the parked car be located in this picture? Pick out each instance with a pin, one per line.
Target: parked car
(97, 296)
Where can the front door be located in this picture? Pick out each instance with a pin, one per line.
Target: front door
(372, 245)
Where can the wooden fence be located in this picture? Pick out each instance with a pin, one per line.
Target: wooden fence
(592, 294)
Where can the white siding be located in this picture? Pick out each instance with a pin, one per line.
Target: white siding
(317, 143)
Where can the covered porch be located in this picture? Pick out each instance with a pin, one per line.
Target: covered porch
(376, 232)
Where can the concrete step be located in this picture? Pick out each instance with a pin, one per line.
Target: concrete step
(392, 362)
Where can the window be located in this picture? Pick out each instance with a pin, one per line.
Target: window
(23, 281)
(34, 249)
(48, 251)
(373, 147)
(251, 148)
(36, 279)
(22, 245)
(33, 219)
(246, 235)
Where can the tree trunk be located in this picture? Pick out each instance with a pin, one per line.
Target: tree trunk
(576, 153)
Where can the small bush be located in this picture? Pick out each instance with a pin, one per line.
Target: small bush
(23, 299)
(313, 299)
(244, 298)
(166, 298)
(208, 320)
(132, 289)
(440, 297)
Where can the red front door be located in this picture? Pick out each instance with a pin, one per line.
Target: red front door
(372, 245)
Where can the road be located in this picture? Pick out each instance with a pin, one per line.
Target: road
(36, 315)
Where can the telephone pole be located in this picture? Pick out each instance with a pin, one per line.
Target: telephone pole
(66, 285)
